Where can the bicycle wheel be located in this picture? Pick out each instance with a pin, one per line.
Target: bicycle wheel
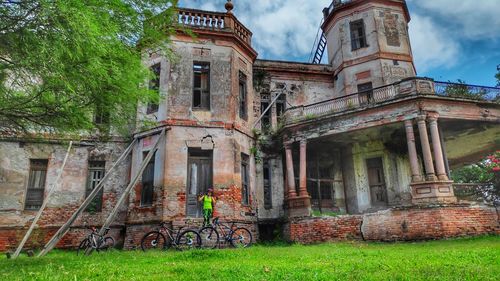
(241, 238)
(83, 246)
(153, 240)
(188, 239)
(209, 237)
(107, 243)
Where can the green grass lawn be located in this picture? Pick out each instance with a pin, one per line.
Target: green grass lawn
(462, 259)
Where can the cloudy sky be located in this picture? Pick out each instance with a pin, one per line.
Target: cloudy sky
(451, 39)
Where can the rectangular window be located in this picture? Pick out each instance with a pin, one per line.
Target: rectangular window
(266, 174)
(201, 85)
(147, 191)
(358, 36)
(243, 96)
(154, 85)
(95, 175)
(101, 116)
(265, 122)
(280, 108)
(245, 189)
(365, 92)
(36, 184)
(365, 87)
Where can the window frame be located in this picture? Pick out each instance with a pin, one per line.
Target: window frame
(204, 67)
(36, 165)
(245, 179)
(154, 85)
(147, 192)
(358, 41)
(243, 96)
(95, 166)
(267, 186)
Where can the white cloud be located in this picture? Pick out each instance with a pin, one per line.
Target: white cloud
(471, 19)
(282, 29)
(432, 46)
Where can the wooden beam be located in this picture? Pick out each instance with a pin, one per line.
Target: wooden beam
(44, 204)
(65, 228)
(127, 190)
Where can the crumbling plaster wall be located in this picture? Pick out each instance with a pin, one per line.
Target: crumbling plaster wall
(228, 146)
(386, 35)
(67, 197)
(396, 172)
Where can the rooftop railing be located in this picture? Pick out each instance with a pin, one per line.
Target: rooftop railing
(214, 21)
(377, 96)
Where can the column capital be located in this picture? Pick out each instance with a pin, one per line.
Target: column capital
(303, 141)
(288, 144)
(421, 117)
(408, 123)
(432, 116)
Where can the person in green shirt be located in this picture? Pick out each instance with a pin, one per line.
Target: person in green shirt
(208, 206)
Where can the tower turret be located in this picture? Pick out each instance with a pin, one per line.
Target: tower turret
(368, 43)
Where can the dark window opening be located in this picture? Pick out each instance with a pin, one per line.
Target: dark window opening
(358, 36)
(148, 181)
(365, 92)
(154, 85)
(266, 172)
(201, 85)
(95, 174)
(199, 179)
(265, 122)
(101, 116)
(243, 96)
(245, 190)
(280, 108)
(36, 184)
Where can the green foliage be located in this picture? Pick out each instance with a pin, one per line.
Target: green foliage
(462, 259)
(497, 76)
(460, 90)
(476, 173)
(63, 60)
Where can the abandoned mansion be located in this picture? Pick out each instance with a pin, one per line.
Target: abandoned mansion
(358, 148)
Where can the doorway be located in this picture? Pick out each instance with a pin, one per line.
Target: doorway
(376, 181)
(199, 179)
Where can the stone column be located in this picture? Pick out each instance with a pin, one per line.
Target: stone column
(303, 169)
(436, 145)
(289, 171)
(416, 175)
(426, 148)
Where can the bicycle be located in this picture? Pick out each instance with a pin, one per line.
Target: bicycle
(187, 239)
(96, 241)
(238, 237)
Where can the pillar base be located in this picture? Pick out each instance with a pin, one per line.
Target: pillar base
(299, 206)
(432, 192)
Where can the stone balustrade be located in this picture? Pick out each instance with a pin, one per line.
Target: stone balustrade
(377, 96)
(214, 21)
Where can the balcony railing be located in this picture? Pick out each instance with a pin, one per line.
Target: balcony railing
(460, 90)
(409, 87)
(214, 21)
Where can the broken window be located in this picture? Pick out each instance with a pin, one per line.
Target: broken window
(154, 85)
(358, 36)
(266, 174)
(201, 85)
(36, 184)
(265, 122)
(245, 190)
(148, 181)
(243, 96)
(95, 175)
(280, 108)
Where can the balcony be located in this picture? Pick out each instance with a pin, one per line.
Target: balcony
(214, 22)
(407, 88)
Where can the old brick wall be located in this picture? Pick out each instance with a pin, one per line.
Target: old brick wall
(322, 229)
(430, 223)
(12, 236)
(400, 223)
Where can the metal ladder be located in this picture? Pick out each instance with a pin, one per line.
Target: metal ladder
(319, 46)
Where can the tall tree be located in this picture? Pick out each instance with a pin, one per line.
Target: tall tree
(498, 76)
(64, 61)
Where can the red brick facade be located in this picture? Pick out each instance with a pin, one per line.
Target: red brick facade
(403, 223)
